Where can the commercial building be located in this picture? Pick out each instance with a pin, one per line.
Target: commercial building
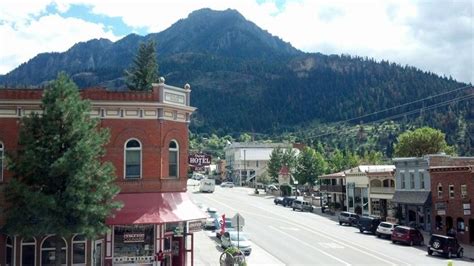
(452, 189)
(149, 149)
(381, 190)
(333, 189)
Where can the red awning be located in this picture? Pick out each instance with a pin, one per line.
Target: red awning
(155, 208)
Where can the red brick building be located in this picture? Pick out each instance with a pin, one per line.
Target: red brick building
(452, 190)
(149, 149)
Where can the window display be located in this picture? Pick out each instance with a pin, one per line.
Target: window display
(133, 244)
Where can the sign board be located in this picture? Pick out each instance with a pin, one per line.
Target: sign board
(194, 226)
(133, 237)
(199, 160)
(283, 179)
(441, 212)
(238, 220)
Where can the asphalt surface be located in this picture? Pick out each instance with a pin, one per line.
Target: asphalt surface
(302, 238)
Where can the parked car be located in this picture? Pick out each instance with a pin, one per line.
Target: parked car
(302, 205)
(349, 218)
(227, 184)
(271, 188)
(407, 235)
(213, 219)
(385, 229)
(207, 185)
(445, 245)
(236, 239)
(368, 223)
(288, 201)
(278, 200)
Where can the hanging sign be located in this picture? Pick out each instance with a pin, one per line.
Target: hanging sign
(194, 226)
(199, 159)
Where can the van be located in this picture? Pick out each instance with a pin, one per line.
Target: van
(207, 185)
(302, 205)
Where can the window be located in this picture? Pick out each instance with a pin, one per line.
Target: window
(463, 191)
(422, 180)
(451, 191)
(402, 179)
(440, 190)
(48, 250)
(173, 159)
(412, 180)
(133, 159)
(2, 149)
(9, 251)
(460, 224)
(28, 252)
(79, 250)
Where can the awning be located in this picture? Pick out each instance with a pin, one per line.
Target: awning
(412, 197)
(155, 208)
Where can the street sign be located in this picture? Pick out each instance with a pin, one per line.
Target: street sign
(238, 221)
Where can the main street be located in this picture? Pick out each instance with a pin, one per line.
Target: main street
(302, 238)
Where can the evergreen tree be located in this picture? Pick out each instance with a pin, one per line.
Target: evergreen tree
(60, 185)
(144, 70)
(275, 163)
(420, 142)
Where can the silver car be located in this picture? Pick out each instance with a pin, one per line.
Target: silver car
(227, 184)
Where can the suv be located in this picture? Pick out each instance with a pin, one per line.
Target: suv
(445, 245)
(302, 205)
(407, 235)
(368, 223)
(349, 218)
(385, 229)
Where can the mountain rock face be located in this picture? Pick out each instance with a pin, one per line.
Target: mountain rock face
(245, 79)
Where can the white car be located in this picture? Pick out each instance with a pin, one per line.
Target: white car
(213, 219)
(230, 239)
(227, 184)
(385, 229)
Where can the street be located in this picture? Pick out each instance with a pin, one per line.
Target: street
(302, 238)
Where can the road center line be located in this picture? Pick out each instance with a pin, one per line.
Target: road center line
(311, 246)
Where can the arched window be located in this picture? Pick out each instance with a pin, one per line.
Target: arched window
(28, 252)
(2, 151)
(9, 251)
(375, 183)
(440, 190)
(460, 224)
(133, 159)
(79, 250)
(48, 251)
(173, 158)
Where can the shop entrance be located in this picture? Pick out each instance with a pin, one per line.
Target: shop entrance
(97, 253)
(471, 231)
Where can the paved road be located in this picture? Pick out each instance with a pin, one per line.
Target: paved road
(301, 238)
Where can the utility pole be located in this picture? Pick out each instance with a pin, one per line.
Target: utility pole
(245, 167)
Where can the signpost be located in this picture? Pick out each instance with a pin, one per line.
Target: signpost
(240, 222)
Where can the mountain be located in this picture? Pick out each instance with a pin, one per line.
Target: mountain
(245, 79)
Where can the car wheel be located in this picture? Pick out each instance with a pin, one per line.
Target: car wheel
(377, 235)
(430, 252)
(460, 254)
(340, 223)
(361, 230)
(411, 243)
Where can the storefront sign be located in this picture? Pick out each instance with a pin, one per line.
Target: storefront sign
(194, 226)
(199, 159)
(441, 212)
(133, 237)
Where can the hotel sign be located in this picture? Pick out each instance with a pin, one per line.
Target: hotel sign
(199, 160)
(133, 237)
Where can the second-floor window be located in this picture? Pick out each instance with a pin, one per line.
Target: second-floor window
(463, 191)
(173, 159)
(133, 159)
(2, 151)
(402, 179)
(412, 181)
(422, 180)
(451, 191)
(440, 191)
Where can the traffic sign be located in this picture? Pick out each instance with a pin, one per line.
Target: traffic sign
(238, 221)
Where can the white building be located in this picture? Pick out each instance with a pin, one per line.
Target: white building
(247, 160)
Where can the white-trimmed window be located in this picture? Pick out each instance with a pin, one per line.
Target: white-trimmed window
(48, 250)
(28, 252)
(133, 159)
(173, 159)
(463, 191)
(9, 251)
(440, 190)
(412, 180)
(79, 247)
(451, 191)
(422, 180)
(402, 180)
(2, 152)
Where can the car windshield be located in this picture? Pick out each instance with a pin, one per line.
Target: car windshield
(233, 237)
(386, 225)
(401, 230)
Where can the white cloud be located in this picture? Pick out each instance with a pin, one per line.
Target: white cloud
(435, 37)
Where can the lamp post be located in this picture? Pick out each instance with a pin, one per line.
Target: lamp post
(245, 167)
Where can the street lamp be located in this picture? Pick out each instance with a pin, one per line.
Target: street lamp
(245, 168)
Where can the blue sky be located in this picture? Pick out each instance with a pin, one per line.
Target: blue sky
(435, 36)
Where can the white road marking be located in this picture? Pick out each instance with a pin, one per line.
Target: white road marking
(289, 228)
(311, 246)
(330, 245)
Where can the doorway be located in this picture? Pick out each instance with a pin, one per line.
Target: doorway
(471, 231)
(97, 253)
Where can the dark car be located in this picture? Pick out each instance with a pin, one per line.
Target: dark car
(368, 223)
(445, 245)
(407, 235)
(349, 218)
(278, 200)
(288, 201)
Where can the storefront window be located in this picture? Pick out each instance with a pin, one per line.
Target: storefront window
(28, 252)
(79, 250)
(133, 242)
(460, 225)
(48, 251)
(9, 251)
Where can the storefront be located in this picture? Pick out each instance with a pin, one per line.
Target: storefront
(153, 227)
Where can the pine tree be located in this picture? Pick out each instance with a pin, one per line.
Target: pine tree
(60, 185)
(144, 70)
(275, 163)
